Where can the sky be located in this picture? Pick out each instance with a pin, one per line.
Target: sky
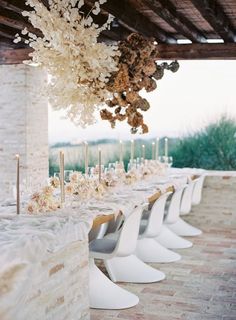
(183, 102)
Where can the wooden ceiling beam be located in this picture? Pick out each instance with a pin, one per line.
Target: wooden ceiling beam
(131, 19)
(6, 34)
(9, 6)
(10, 33)
(11, 56)
(194, 51)
(17, 24)
(116, 34)
(214, 14)
(167, 11)
(198, 51)
(7, 43)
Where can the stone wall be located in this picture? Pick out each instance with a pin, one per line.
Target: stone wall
(23, 127)
(222, 185)
(55, 287)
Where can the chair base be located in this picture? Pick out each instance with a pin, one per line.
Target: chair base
(184, 213)
(149, 250)
(182, 228)
(132, 269)
(171, 240)
(104, 294)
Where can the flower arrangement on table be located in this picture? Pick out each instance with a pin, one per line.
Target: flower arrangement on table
(131, 176)
(109, 179)
(86, 76)
(82, 188)
(44, 200)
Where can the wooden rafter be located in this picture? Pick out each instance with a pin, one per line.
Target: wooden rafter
(6, 34)
(214, 14)
(166, 10)
(194, 51)
(130, 18)
(16, 24)
(9, 6)
(198, 51)
(116, 34)
(12, 56)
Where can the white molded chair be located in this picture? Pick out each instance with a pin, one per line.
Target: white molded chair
(186, 201)
(148, 249)
(167, 237)
(99, 232)
(121, 265)
(130, 268)
(180, 227)
(197, 191)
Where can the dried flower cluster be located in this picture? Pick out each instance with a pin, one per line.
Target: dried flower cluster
(83, 187)
(79, 66)
(45, 200)
(137, 70)
(131, 177)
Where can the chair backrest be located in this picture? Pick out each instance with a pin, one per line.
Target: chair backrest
(128, 236)
(186, 202)
(197, 190)
(174, 207)
(115, 224)
(98, 233)
(155, 218)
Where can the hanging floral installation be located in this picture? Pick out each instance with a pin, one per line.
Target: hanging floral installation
(86, 76)
(137, 70)
(79, 67)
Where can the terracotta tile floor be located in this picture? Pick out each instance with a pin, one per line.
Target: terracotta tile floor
(202, 285)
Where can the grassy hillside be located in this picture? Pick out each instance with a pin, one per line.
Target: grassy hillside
(212, 148)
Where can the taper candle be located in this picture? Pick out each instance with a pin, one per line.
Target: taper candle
(99, 165)
(86, 160)
(17, 184)
(62, 177)
(157, 148)
(166, 148)
(121, 151)
(132, 152)
(143, 152)
(153, 150)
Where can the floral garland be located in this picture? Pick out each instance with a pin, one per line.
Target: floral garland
(79, 66)
(137, 70)
(80, 188)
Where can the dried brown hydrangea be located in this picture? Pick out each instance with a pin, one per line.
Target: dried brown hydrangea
(137, 70)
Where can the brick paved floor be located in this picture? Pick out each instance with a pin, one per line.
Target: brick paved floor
(202, 285)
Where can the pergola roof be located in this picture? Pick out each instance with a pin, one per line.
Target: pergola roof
(200, 23)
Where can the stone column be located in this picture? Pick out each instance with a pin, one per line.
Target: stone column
(23, 127)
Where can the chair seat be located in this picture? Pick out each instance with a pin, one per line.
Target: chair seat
(103, 246)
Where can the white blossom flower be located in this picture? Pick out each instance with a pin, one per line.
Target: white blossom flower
(78, 66)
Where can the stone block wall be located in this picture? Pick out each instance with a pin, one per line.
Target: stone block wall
(23, 126)
(222, 185)
(52, 288)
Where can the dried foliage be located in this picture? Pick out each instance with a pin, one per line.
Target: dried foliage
(84, 75)
(79, 66)
(137, 70)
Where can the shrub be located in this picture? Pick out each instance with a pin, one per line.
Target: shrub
(212, 148)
